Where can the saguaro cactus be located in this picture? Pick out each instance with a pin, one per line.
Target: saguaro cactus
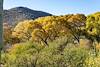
(1, 24)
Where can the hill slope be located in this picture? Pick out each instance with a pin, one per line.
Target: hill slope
(14, 15)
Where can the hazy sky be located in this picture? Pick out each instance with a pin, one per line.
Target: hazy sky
(57, 7)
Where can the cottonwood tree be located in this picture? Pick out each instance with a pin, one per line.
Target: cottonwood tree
(93, 26)
(74, 23)
(49, 28)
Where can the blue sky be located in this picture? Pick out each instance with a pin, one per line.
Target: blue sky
(57, 7)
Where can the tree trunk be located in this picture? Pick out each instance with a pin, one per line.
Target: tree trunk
(1, 28)
(1, 24)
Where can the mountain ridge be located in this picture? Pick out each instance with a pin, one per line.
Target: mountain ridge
(16, 14)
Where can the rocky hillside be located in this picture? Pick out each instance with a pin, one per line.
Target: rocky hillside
(14, 15)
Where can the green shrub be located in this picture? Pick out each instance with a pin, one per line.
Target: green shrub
(59, 53)
(21, 55)
(75, 57)
(93, 60)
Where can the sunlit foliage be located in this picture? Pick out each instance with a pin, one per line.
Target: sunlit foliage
(49, 28)
(93, 25)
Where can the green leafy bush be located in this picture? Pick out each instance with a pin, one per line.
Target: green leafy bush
(75, 57)
(21, 55)
(57, 54)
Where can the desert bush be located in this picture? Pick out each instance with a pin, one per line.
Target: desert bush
(52, 56)
(75, 57)
(93, 61)
(30, 54)
(59, 53)
(21, 55)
